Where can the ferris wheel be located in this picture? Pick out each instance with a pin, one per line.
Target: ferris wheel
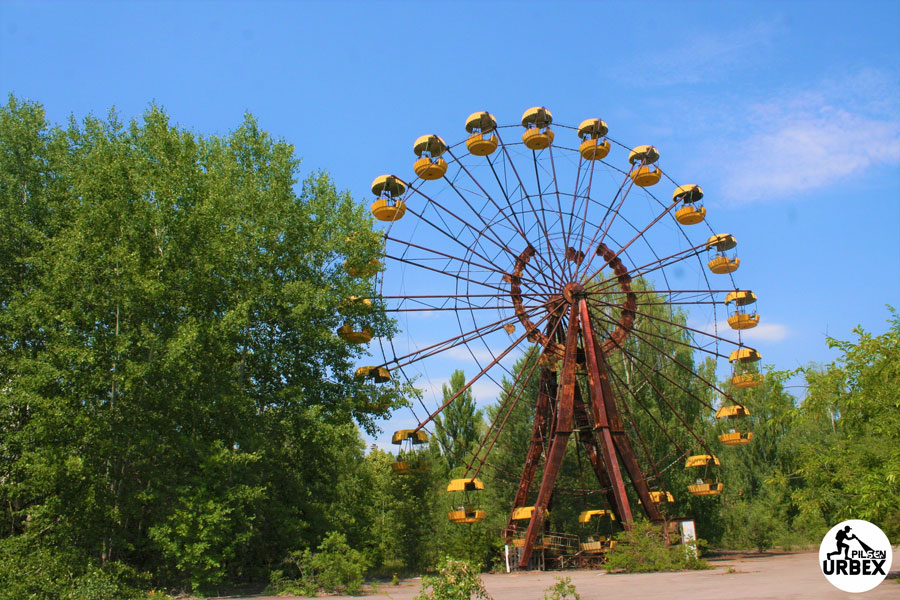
(551, 241)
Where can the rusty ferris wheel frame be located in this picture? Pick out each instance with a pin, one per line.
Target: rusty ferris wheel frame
(538, 256)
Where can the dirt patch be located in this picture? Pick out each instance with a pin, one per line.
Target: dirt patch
(752, 576)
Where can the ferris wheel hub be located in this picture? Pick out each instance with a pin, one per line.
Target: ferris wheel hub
(572, 291)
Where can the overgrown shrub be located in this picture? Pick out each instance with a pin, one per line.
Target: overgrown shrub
(456, 580)
(335, 566)
(562, 590)
(643, 548)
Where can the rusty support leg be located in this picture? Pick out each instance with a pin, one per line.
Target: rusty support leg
(601, 422)
(589, 442)
(546, 391)
(609, 415)
(560, 437)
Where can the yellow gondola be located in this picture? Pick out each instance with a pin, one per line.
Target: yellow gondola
(691, 211)
(734, 437)
(593, 145)
(524, 513)
(363, 336)
(354, 304)
(388, 189)
(746, 372)
(364, 270)
(409, 460)
(483, 139)
(430, 165)
(465, 509)
(597, 542)
(644, 171)
(378, 374)
(536, 121)
(721, 263)
(740, 318)
(704, 485)
(660, 497)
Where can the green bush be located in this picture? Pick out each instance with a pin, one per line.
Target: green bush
(456, 580)
(335, 566)
(561, 590)
(643, 548)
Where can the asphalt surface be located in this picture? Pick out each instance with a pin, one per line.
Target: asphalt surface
(734, 577)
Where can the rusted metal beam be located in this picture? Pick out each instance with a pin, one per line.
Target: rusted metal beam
(562, 429)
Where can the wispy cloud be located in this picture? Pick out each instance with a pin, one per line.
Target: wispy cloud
(702, 56)
(767, 332)
(802, 140)
(804, 148)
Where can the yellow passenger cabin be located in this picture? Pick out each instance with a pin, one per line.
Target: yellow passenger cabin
(377, 374)
(734, 413)
(354, 336)
(722, 263)
(388, 190)
(482, 140)
(598, 528)
(409, 458)
(362, 270)
(746, 371)
(741, 318)
(524, 513)
(464, 507)
(536, 121)
(594, 145)
(705, 484)
(430, 166)
(691, 211)
(644, 171)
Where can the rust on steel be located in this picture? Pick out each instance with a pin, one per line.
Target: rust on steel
(559, 435)
(628, 307)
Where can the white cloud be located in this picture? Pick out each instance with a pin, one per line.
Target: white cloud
(767, 332)
(798, 140)
(802, 148)
(701, 56)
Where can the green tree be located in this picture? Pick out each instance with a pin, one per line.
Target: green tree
(173, 396)
(852, 468)
(458, 425)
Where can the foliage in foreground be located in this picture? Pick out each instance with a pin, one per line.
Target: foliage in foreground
(334, 567)
(562, 590)
(456, 580)
(643, 548)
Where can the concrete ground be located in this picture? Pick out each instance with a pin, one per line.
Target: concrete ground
(753, 576)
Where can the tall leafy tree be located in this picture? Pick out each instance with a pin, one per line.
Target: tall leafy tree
(173, 396)
(458, 425)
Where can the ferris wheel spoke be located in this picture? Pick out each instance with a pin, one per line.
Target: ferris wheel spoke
(492, 267)
(650, 267)
(519, 227)
(550, 333)
(642, 335)
(456, 276)
(661, 395)
(637, 430)
(631, 241)
(628, 387)
(623, 190)
(469, 384)
(476, 234)
(462, 338)
(527, 197)
(685, 327)
(635, 329)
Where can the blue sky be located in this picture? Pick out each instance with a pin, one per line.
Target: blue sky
(787, 114)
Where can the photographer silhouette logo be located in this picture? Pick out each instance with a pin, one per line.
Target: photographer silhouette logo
(855, 556)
